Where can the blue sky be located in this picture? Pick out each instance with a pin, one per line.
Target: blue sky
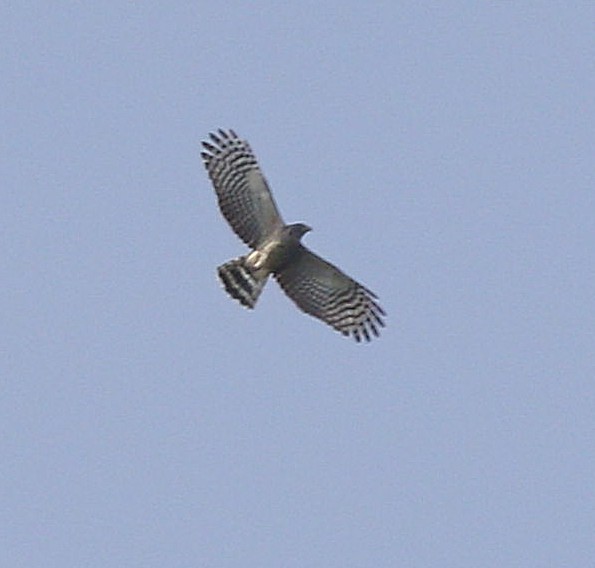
(443, 154)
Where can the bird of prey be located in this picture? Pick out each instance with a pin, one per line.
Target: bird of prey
(316, 286)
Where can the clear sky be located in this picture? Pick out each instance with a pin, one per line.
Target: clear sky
(444, 154)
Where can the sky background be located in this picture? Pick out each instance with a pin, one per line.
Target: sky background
(444, 154)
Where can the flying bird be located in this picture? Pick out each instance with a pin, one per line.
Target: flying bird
(316, 286)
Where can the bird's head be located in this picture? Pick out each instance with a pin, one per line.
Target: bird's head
(298, 230)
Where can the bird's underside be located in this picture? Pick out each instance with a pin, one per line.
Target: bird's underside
(316, 286)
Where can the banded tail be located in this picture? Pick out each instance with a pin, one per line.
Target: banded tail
(242, 282)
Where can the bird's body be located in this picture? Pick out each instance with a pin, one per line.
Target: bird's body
(245, 277)
(316, 286)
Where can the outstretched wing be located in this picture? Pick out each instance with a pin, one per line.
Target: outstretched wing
(325, 292)
(242, 191)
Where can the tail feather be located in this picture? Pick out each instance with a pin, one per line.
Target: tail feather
(242, 282)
